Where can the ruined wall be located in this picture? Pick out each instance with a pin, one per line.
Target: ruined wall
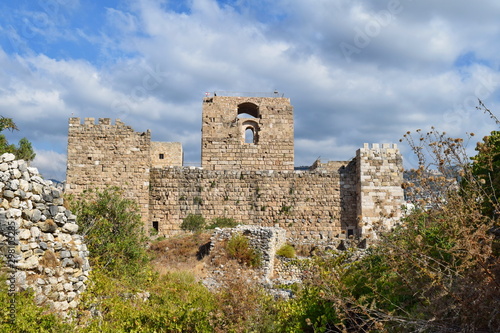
(104, 154)
(269, 120)
(165, 154)
(266, 240)
(39, 239)
(380, 175)
(306, 204)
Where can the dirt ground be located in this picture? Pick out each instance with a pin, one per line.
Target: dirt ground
(182, 253)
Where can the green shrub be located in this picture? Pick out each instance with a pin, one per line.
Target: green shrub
(286, 251)
(113, 230)
(176, 303)
(25, 316)
(222, 222)
(238, 247)
(193, 222)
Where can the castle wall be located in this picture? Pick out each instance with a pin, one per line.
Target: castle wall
(223, 133)
(104, 154)
(306, 204)
(254, 183)
(165, 154)
(380, 175)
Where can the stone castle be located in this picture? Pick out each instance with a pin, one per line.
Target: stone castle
(247, 173)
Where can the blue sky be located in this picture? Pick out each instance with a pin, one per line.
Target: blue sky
(355, 71)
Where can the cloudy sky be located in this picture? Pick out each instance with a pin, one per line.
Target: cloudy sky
(355, 71)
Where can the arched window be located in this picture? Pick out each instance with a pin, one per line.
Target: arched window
(250, 132)
(248, 110)
(249, 135)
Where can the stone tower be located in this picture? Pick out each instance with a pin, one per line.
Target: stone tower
(104, 154)
(247, 133)
(380, 195)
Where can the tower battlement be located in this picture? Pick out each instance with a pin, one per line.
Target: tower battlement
(89, 121)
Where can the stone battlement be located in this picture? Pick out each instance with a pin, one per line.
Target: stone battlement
(75, 121)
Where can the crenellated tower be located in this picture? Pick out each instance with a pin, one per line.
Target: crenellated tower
(106, 154)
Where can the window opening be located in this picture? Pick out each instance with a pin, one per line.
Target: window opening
(248, 110)
(162, 156)
(249, 135)
(155, 225)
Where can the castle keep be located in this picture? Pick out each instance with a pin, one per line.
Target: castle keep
(247, 173)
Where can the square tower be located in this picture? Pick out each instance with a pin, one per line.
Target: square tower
(247, 133)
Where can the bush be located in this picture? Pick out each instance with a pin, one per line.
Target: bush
(193, 222)
(173, 302)
(238, 247)
(436, 272)
(222, 222)
(286, 251)
(113, 231)
(27, 316)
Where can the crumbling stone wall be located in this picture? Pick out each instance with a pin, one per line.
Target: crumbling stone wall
(305, 203)
(380, 175)
(38, 237)
(270, 121)
(104, 154)
(266, 240)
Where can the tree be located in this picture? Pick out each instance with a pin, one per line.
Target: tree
(486, 168)
(23, 151)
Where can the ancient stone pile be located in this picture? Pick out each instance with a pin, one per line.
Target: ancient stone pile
(38, 237)
(266, 240)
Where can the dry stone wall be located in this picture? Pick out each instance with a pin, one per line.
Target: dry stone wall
(265, 240)
(39, 238)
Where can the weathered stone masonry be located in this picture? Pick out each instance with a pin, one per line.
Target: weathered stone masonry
(247, 173)
(38, 238)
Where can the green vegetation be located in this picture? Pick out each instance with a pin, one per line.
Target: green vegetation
(222, 222)
(197, 223)
(193, 222)
(29, 317)
(287, 251)
(23, 150)
(285, 209)
(238, 247)
(113, 231)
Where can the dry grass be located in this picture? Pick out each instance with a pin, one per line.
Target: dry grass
(181, 253)
(49, 259)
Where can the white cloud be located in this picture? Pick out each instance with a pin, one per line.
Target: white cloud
(153, 66)
(50, 164)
